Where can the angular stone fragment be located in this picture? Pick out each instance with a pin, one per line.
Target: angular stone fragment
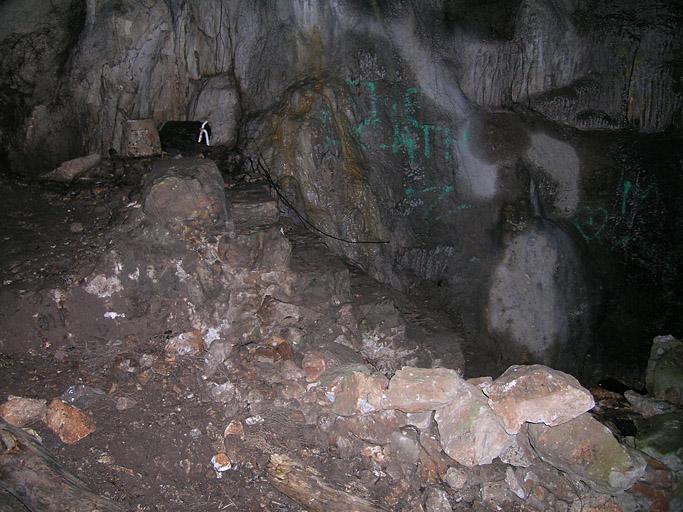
(375, 428)
(185, 344)
(664, 375)
(519, 453)
(455, 478)
(423, 389)
(355, 392)
(471, 433)
(586, 448)
(436, 500)
(19, 411)
(314, 365)
(69, 423)
(537, 394)
(647, 406)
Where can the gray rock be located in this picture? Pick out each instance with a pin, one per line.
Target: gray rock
(661, 437)
(455, 478)
(216, 100)
(647, 406)
(664, 375)
(586, 448)
(72, 169)
(470, 431)
(436, 500)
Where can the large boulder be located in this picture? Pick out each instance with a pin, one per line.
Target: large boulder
(587, 449)
(186, 193)
(537, 394)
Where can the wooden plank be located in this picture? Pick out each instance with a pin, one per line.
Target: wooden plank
(307, 488)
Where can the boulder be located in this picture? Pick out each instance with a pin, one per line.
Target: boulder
(537, 394)
(664, 375)
(424, 389)
(470, 431)
(587, 449)
(186, 192)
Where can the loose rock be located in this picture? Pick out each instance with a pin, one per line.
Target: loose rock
(423, 389)
(69, 423)
(19, 411)
(537, 394)
(587, 449)
(470, 432)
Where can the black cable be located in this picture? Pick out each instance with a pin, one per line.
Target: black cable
(265, 172)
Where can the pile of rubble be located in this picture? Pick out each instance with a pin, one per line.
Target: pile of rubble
(326, 399)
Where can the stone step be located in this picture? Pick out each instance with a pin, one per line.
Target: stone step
(252, 205)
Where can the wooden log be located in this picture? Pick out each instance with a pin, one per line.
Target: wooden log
(32, 480)
(306, 487)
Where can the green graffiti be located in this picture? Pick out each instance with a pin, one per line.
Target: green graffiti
(593, 223)
(590, 222)
(406, 133)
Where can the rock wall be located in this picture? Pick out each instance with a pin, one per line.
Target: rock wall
(447, 129)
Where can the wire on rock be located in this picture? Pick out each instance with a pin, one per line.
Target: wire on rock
(262, 168)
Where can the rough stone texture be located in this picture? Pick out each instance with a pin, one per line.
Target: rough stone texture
(414, 123)
(351, 391)
(186, 193)
(664, 376)
(423, 389)
(69, 423)
(470, 432)
(19, 411)
(533, 287)
(519, 453)
(71, 169)
(436, 500)
(216, 100)
(647, 406)
(537, 394)
(587, 449)
(141, 138)
(661, 437)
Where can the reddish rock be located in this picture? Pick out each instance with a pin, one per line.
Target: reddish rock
(586, 448)
(470, 432)
(69, 423)
(537, 394)
(355, 392)
(375, 428)
(71, 169)
(186, 344)
(423, 389)
(313, 365)
(234, 428)
(19, 411)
